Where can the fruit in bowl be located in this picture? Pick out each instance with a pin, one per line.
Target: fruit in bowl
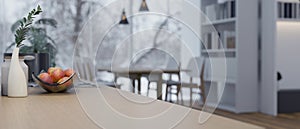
(56, 73)
(55, 79)
(45, 77)
(68, 72)
(65, 81)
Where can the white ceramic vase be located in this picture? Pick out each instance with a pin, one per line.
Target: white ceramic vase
(17, 83)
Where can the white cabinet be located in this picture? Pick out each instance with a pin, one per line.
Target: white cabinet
(236, 23)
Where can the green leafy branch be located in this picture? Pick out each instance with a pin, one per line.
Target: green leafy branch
(24, 27)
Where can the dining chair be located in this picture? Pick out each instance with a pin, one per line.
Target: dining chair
(83, 68)
(107, 80)
(86, 71)
(154, 77)
(195, 71)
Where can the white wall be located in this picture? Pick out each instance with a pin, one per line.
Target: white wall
(268, 89)
(287, 54)
(191, 45)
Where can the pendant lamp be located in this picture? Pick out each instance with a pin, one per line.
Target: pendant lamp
(123, 18)
(144, 6)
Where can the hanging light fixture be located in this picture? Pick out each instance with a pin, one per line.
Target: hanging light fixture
(144, 6)
(123, 18)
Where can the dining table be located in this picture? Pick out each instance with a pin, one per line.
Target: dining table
(102, 107)
(138, 73)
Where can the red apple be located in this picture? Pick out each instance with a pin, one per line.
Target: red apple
(68, 72)
(57, 74)
(68, 83)
(51, 69)
(45, 77)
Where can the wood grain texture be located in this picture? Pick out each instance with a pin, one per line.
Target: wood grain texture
(41, 110)
(282, 121)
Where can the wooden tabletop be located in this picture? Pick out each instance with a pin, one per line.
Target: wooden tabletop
(137, 73)
(143, 70)
(41, 110)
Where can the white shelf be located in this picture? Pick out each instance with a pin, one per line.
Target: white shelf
(287, 13)
(218, 50)
(240, 88)
(228, 80)
(227, 107)
(288, 20)
(223, 21)
(222, 106)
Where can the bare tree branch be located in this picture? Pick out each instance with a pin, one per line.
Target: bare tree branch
(155, 42)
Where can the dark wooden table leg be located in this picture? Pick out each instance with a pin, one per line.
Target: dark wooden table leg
(139, 84)
(115, 81)
(133, 85)
(159, 87)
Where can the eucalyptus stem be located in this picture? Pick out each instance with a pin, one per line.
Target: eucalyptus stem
(25, 24)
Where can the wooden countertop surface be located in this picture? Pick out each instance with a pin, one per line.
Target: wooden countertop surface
(41, 110)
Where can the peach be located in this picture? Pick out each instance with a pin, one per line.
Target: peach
(51, 69)
(45, 77)
(68, 72)
(57, 74)
(68, 83)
